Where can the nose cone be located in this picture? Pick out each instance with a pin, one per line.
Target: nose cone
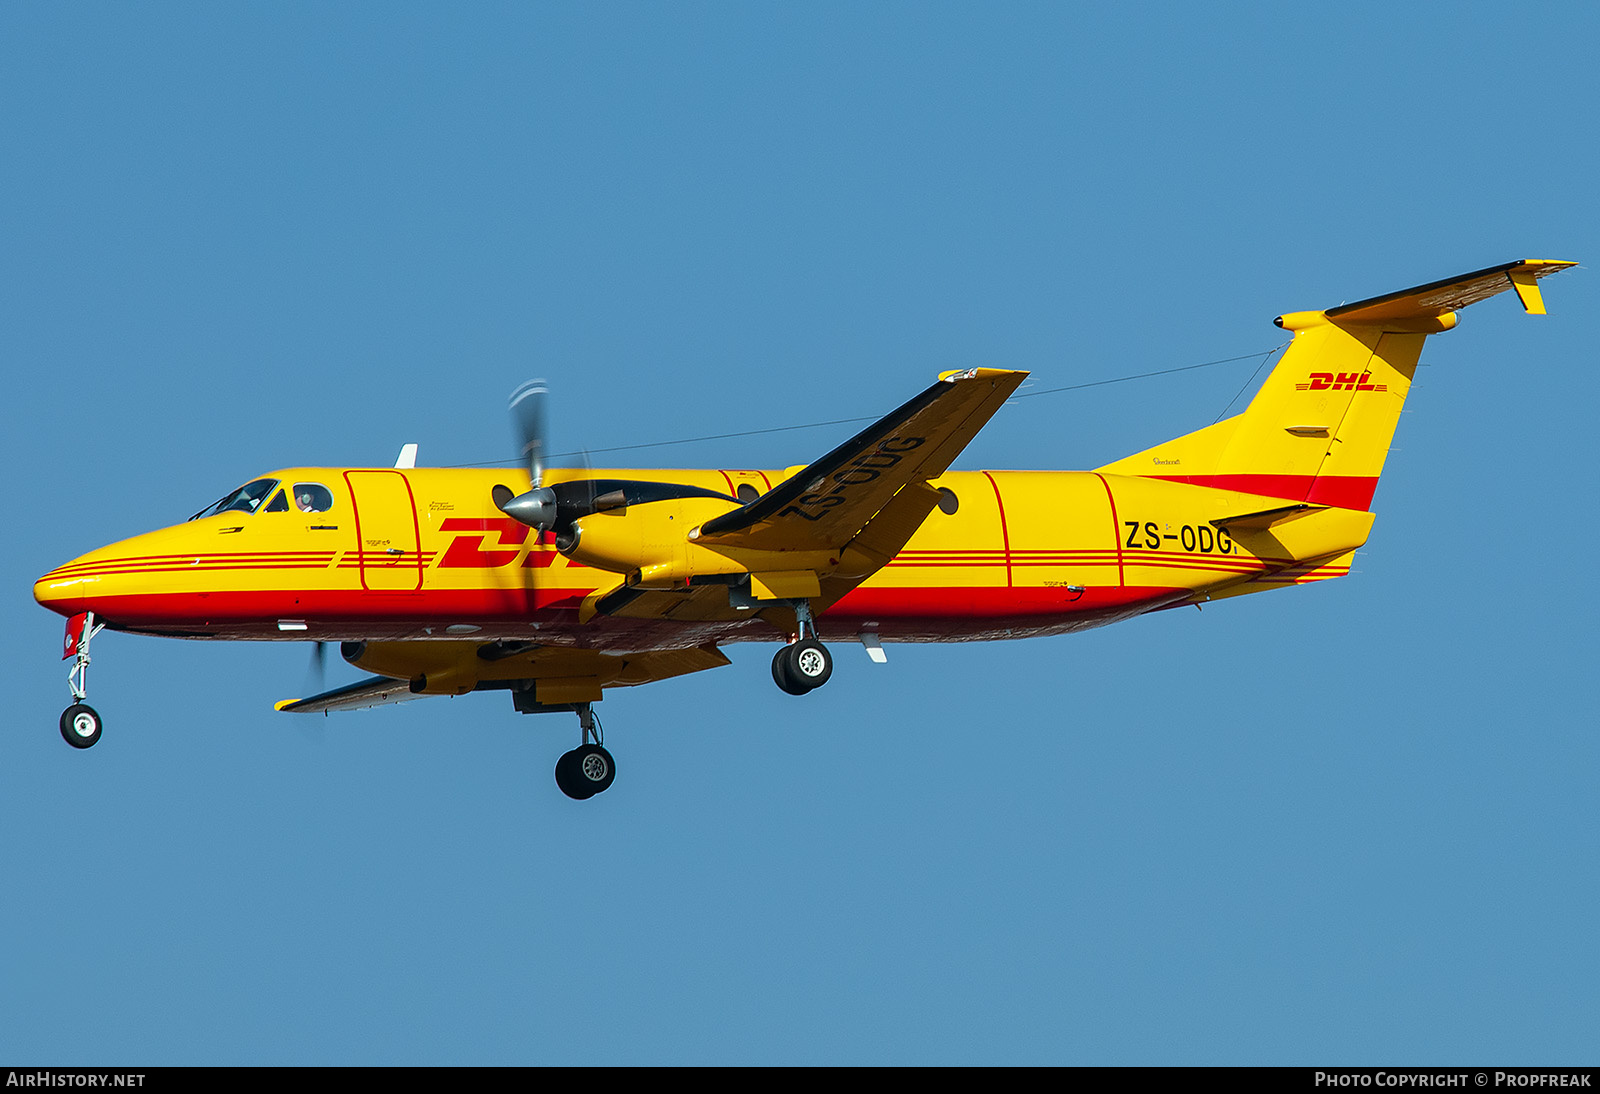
(113, 580)
(79, 585)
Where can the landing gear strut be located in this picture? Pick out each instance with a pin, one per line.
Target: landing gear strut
(80, 723)
(588, 769)
(804, 664)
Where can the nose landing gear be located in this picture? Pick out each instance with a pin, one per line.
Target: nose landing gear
(80, 722)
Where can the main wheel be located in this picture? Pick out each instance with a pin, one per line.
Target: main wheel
(80, 725)
(810, 663)
(585, 771)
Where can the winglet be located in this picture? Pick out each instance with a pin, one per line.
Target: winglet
(1527, 285)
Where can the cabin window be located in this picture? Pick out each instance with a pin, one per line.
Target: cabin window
(948, 502)
(312, 497)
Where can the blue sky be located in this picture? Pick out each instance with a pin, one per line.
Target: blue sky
(1349, 823)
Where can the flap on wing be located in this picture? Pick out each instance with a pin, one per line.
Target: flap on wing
(653, 665)
(696, 604)
(895, 524)
(1435, 299)
(825, 505)
(374, 691)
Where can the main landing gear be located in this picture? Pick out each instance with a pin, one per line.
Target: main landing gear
(80, 723)
(804, 664)
(588, 769)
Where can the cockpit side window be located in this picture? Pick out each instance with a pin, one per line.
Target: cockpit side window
(246, 499)
(278, 504)
(312, 497)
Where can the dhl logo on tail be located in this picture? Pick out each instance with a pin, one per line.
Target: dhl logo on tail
(1344, 381)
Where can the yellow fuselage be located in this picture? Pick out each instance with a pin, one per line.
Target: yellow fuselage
(423, 553)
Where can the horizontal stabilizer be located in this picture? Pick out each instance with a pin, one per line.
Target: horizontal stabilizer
(374, 691)
(1454, 293)
(1266, 518)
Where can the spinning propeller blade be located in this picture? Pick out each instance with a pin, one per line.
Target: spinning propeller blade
(317, 674)
(528, 416)
(537, 507)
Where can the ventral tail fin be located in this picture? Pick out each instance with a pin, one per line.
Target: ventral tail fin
(1319, 428)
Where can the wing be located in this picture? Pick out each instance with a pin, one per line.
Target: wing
(827, 504)
(543, 675)
(374, 691)
(829, 526)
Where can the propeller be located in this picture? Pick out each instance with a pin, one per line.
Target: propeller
(317, 673)
(555, 508)
(316, 683)
(537, 506)
(546, 508)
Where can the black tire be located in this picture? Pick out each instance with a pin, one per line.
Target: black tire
(81, 725)
(810, 663)
(567, 777)
(783, 673)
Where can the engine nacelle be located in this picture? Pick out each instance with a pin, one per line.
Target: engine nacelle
(650, 545)
(652, 537)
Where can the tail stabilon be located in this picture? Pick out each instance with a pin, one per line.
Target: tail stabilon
(1318, 430)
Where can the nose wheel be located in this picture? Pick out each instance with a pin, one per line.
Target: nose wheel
(80, 725)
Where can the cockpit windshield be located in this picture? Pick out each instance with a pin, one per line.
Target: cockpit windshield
(246, 499)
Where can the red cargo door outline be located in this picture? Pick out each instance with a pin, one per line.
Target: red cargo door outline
(381, 560)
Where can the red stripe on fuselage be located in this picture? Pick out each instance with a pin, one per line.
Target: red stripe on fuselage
(952, 613)
(1341, 491)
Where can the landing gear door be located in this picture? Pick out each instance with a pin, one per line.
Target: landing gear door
(387, 538)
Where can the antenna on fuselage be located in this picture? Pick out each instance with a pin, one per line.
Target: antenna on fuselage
(408, 456)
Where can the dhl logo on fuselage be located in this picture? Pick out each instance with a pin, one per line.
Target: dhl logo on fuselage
(468, 551)
(1344, 381)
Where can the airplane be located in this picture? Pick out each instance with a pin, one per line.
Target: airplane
(557, 584)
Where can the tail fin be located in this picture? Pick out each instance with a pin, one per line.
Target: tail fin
(1319, 428)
